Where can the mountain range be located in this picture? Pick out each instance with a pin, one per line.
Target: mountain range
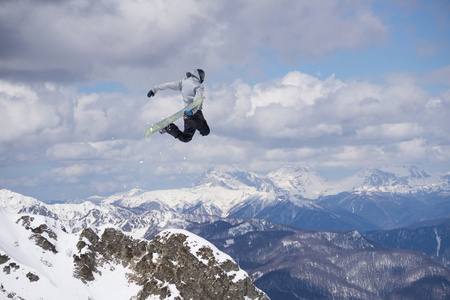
(291, 227)
(369, 200)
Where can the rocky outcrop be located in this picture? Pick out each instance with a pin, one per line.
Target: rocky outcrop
(41, 234)
(176, 264)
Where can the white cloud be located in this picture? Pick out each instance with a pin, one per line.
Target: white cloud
(92, 40)
(413, 149)
(295, 90)
(73, 151)
(22, 114)
(72, 173)
(398, 131)
(97, 144)
(94, 140)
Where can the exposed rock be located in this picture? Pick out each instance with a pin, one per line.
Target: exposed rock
(32, 277)
(38, 232)
(44, 228)
(166, 266)
(11, 267)
(43, 243)
(3, 259)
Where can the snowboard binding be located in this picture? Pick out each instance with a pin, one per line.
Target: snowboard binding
(167, 129)
(188, 114)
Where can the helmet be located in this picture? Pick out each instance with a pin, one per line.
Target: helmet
(199, 74)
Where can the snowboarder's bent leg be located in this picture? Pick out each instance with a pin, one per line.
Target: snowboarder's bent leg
(191, 124)
(186, 135)
(201, 123)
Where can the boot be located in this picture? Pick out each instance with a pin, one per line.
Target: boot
(167, 129)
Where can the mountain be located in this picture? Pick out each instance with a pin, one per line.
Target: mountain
(369, 200)
(299, 181)
(233, 178)
(430, 240)
(290, 263)
(254, 218)
(396, 180)
(40, 260)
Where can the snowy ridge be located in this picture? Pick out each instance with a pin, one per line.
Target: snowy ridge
(224, 190)
(54, 270)
(211, 200)
(400, 180)
(300, 181)
(306, 183)
(75, 217)
(15, 202)
(231, 177)
(230, 192)
(40, 260)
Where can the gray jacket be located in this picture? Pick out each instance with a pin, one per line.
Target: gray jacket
(191, 88)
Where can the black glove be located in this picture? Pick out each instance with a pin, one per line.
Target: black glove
(150, 94)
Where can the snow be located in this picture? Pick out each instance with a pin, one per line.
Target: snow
(15, 202)
(220, 194)
(229, 242)
(55, 271)
(215, 200)
(438, 241)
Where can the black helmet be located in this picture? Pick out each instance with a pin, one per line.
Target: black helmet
(199, 74)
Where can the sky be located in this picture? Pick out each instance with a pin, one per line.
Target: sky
(333, 85)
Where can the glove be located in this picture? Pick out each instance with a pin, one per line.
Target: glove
(151, 93)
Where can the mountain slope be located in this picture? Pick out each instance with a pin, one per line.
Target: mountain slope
(289, 263)
(430, 240)
(40, 260)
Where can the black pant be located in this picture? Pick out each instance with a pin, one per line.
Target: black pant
(191, 124)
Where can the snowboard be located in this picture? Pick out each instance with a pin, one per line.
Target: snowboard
(163, 123)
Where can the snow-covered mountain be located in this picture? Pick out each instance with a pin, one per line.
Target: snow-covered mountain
(140, 223)
(398, 180)
(299, 181)
(40, 260)
(229, 203)
(233, 178)
(226, 190)
(370, 199)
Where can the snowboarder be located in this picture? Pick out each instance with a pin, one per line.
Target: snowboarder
(191, 88)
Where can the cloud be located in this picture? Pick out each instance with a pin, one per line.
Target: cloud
(441, 75)
(397, 131)
(22, 114)
(426, 48)
(73, 173)
(84, 139)
(79, 41)
(94, 141)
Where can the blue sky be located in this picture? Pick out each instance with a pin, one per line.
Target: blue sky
(333, 85)
(416, 42)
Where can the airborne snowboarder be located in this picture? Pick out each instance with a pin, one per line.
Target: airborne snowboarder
(191, 88)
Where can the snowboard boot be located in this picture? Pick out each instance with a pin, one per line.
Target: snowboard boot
(167, 129)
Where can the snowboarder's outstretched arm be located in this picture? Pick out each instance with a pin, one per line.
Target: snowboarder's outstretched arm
(175, 85)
